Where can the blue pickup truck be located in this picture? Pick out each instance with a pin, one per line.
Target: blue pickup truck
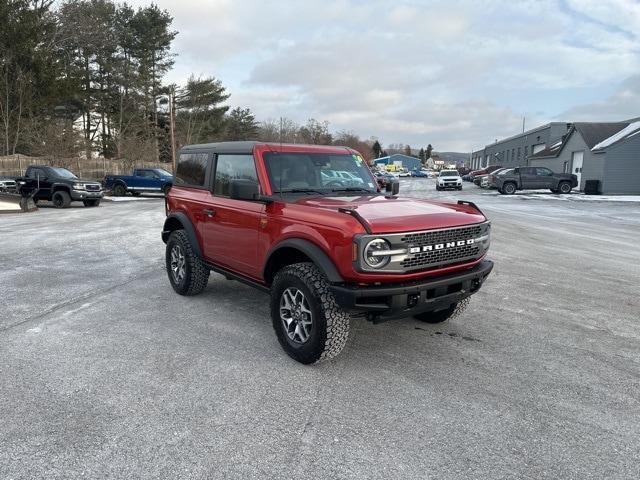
(143, 180)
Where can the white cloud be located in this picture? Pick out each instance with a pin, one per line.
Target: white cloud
(624, 104)
(453, 74)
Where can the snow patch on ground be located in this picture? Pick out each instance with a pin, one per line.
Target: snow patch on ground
(131, 199)
(546, 195)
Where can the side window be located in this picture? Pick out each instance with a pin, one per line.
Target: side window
(545, 172)
(231, 167)
(192, 169)
(35, 173)
(145, 173)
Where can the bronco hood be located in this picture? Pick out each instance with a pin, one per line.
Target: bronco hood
(393, 214)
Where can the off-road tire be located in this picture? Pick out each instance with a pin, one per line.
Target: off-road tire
(330, 327)
(564, 188)
(508, 188)
(119, 190)
(440, 316)
(196, 273)
(61, 199)
(91, 203)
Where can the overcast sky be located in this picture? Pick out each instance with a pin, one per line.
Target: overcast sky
(454, 74)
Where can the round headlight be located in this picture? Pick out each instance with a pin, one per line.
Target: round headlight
(374, 253)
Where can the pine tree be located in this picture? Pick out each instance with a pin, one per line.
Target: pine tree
(377, 149)
(200, 111)
(241, 125)
(427, 154)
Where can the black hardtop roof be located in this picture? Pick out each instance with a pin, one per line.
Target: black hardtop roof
(247, 146)
(228, 147)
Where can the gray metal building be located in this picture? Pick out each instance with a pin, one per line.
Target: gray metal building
(608, 152)
(514, 151)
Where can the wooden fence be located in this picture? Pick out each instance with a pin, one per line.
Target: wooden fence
(93, 169)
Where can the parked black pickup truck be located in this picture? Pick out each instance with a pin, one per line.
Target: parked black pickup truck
(59, 186)
(535, 178)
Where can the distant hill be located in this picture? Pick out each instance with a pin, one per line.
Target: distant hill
(453, 157)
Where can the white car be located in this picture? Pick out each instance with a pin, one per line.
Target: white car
(8, 185)
(404, 173)
(448, 179)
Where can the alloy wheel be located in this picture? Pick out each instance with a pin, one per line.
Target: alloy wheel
(177, 263)
(296, 315)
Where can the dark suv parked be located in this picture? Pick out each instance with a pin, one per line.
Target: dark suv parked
(59, 186)
(534, 178)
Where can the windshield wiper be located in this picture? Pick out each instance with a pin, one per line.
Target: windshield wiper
(353, 189)
(300, 190)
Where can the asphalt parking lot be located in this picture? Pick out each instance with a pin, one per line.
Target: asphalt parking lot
(106, 373)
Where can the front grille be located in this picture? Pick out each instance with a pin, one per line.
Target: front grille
(440, 257)
(92, 188)
(443, 256)
(427, 249)
(439, 236)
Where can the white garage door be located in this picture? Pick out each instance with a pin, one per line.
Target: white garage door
(576, 165)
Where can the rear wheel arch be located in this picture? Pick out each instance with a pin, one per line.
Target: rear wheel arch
(297, 250)
(506, 187)
(119, 187)
(180, 221)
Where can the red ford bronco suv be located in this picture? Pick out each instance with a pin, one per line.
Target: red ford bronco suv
(309, 225)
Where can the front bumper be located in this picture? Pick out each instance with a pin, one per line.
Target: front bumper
(408, 299)
(86, 195)
(453, 186)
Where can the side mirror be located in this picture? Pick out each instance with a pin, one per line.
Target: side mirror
(393, 187)
(240, 189)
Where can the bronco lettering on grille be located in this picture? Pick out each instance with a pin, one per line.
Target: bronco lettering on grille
(441, 246)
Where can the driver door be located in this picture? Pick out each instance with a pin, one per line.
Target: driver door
(231, 227)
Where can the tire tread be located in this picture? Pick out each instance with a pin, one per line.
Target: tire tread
(336, 319)
(197, 272)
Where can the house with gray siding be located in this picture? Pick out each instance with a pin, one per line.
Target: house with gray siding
(608, 152)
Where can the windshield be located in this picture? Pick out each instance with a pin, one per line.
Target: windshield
(318, 173)
(449, 173)
(62, 172)
(163, 173)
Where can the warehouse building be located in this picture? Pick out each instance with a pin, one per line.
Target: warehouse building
(514, 151)
(606, 152)
(410, 163)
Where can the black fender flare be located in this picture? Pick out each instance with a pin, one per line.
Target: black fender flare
(119, 181)
(315, 253)
(179, 221)
(55, 187)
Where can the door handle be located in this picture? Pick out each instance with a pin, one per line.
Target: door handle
(209, 212)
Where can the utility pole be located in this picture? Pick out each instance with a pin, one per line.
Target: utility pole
(523, 119)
